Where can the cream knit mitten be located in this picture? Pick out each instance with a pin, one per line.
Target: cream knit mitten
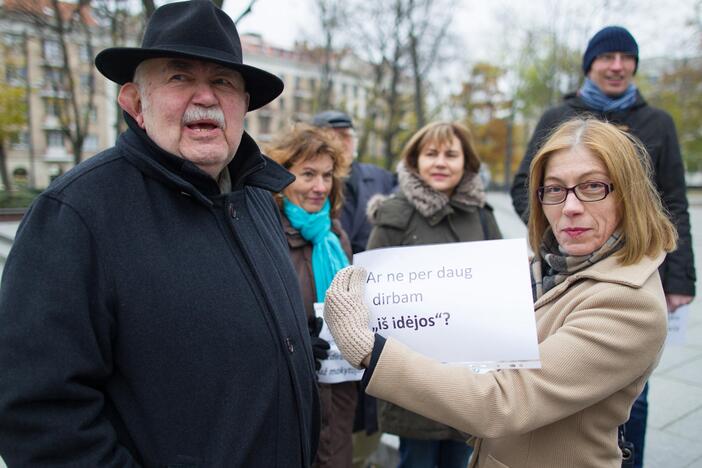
(347, 315)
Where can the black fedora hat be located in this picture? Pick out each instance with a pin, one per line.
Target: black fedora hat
(194, 29)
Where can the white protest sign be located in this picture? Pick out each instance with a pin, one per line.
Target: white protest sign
(677, 326)
(334, 368)
(467, 303)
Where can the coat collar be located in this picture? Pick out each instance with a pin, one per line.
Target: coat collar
(248, 167)
(430, 203)
(608, 270)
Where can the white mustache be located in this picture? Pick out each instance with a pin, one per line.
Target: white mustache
(197, 113)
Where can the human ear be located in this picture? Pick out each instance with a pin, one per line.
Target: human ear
(129, 100)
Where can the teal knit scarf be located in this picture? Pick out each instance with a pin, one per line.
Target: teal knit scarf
(328, 256)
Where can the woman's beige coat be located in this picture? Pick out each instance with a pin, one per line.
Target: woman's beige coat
(600, 335)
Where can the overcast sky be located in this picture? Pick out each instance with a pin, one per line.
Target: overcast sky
(658, 25)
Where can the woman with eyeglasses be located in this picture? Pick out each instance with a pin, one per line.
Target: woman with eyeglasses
(599, 233)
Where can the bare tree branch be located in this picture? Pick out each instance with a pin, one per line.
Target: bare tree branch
(248, 10)
(63, 22)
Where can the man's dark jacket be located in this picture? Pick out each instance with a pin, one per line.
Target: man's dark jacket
(148, 320)
(364, 181)
(655, 128)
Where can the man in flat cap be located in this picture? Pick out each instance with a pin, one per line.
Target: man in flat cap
(149, 313)
(608, 93)
(364, 181)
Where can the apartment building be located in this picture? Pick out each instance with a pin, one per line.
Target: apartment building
(33, 58)
(302, 74)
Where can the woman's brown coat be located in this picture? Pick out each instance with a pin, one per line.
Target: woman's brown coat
(338, 401)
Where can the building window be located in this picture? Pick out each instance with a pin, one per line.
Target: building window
(281, 103)
(84, 53)
(53, 78)
(313, 84)
(15, 73)
(299, 104)
(86, 81)
(52, 51)
(54, 139)
(20, 172)
(264, 124)
(91, 143)
(19, 140)
(52, 108)
(13, 42)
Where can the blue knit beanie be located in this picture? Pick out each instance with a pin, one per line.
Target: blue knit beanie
(610, 39)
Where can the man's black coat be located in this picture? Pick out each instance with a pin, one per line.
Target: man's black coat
(148, 320)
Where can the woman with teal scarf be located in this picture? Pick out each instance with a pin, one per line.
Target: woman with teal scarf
(318, 249)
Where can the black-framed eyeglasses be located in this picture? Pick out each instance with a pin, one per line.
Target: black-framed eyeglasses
(585, 192)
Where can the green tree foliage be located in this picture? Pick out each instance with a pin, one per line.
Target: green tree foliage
(488, 112)
(547, 70)
(502, 103)
(679, 91)
(13, 116)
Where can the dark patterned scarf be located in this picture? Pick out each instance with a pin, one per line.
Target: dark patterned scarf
(553, 266)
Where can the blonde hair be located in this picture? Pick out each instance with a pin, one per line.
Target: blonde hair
(304, 142)
(644, 222)
(441, 133)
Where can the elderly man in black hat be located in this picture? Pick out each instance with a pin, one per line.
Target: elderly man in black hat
(608, 92)
(149, 313)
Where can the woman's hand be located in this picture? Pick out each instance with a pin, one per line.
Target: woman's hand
(676, 300)
(347, 315)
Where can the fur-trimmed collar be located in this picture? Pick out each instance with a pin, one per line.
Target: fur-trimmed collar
(469, 192)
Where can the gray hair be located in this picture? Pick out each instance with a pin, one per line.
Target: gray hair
(139, 79)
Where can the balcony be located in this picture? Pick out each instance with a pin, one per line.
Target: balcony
(51, 122)
(57, 154)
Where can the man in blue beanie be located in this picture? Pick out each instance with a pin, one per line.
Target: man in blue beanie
(609, 93)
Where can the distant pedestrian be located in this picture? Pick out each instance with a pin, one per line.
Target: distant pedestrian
(149, 312)
(364, 180)
(609, 93)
